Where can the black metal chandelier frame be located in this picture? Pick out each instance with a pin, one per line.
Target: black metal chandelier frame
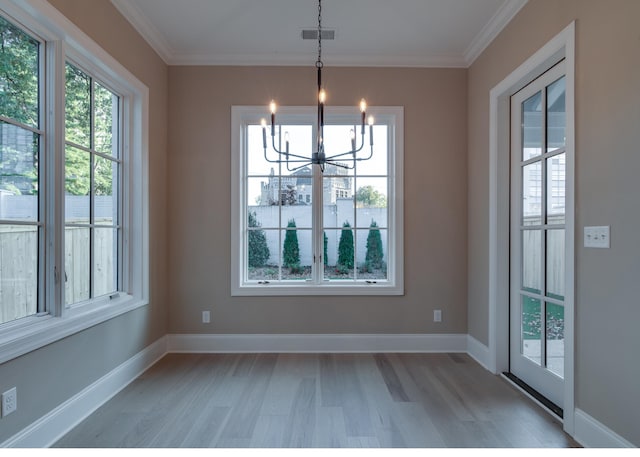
(346, 159)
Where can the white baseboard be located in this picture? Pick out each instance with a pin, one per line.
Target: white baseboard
(54, 425)
(478, 351)
(591, 433)
(317, 343)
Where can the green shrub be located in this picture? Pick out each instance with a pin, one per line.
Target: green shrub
(345, 249)
(373, 259)
(291, 250)
(258, 249)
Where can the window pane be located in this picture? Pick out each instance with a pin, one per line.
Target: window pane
(77, 173)
(18, 272)
(18, 173)
(378, 163)
(371, 201)
(337, 141)
(263, 250)
(338, 201)
(371, 253)
(531, 261)
(105, 261)
(556, 175)
(532, 126)
(555, 264)
(300, 143)
(106, 191)
(76, 266)
(106, 121)
(19, 76)
(77, 107)
(531, 329)
(556, 115)
(339, 247)
(294, 208)
(297, 254)
(532, 194)
(555, 338)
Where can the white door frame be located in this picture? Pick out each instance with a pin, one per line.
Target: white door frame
(561, 46)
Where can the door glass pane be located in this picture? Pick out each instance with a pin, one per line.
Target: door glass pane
(531, 329)
(76, 264)
(532, 194)
(555, 338)
(531, 260)
(297, 253)
(556, 115)
(532, 126)
(18, 271)
(18, 173)
(555, 263)
(556, 175)
(19, 60)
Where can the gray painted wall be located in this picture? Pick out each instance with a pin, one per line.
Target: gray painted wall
(607, 166)
(47, 377)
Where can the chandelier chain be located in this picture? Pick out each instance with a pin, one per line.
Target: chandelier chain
(319, 63)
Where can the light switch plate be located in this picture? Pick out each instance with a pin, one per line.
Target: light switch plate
(597, 237)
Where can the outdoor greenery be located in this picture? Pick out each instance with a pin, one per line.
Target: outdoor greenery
(291, 251)
(258, 249)
(368, 196)
(345, 250)
(374, 256)
(19, 100)
(325, 251)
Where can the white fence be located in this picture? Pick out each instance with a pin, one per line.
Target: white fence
(334, 216)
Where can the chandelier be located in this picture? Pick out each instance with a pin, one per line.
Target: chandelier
(319, 157)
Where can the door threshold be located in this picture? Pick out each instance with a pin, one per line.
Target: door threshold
(534, 394)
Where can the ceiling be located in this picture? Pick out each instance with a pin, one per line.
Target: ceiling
(409, 33)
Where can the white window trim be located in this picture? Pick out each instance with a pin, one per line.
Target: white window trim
(65, 40)
(241, 116)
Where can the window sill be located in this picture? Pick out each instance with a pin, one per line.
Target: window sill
(257, 290)
(31, 333)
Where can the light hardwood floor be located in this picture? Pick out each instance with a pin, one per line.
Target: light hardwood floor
(318, 400)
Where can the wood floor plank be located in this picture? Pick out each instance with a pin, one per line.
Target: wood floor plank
(318, 400)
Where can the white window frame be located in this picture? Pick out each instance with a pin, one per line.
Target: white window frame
(241, 118)
(64, 41)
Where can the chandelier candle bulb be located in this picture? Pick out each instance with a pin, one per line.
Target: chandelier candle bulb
(352, 133)
(263, 122)
(371, 130)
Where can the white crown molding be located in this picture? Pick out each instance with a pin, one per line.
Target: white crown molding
(150, 34)
(492, 29)
(305, 60)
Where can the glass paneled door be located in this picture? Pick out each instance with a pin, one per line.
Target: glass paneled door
(538, 258)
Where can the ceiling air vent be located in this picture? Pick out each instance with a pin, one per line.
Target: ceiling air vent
(327, 34)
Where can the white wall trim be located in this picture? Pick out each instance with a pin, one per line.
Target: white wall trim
(561, 46)
(316, 343)
(45, 431)
(478, 351)
(591, 433)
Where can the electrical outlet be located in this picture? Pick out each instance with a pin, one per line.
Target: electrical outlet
(9, 401)
(206, 317)
(437, 315)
